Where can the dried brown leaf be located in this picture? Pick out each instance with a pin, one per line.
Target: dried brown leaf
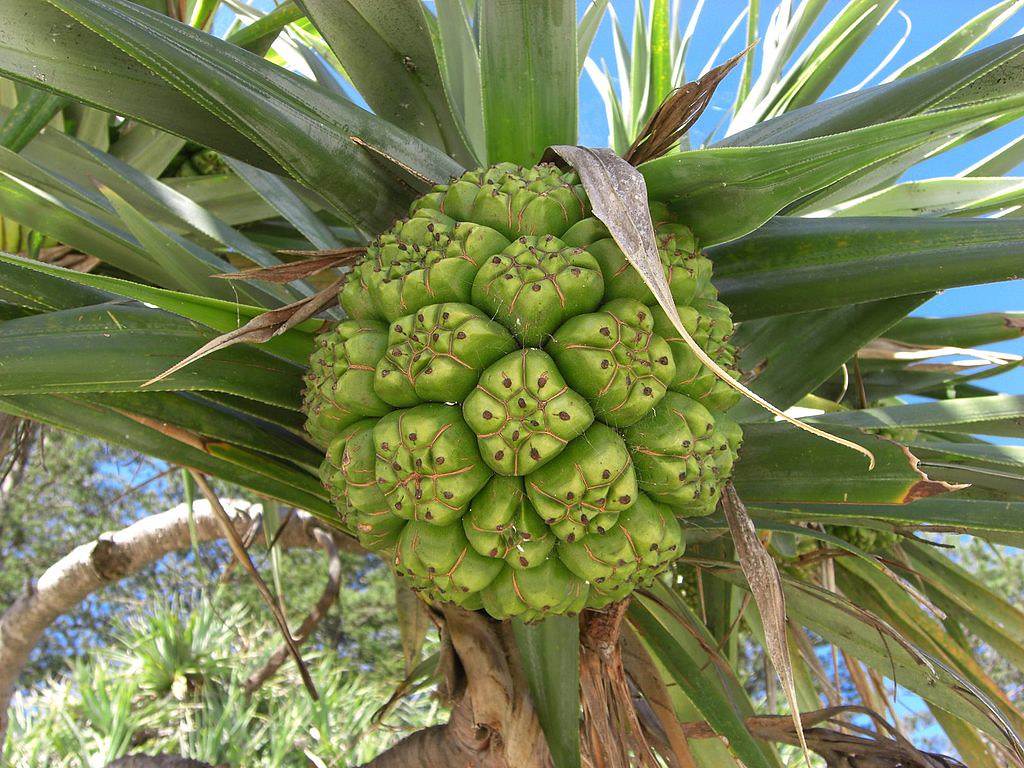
(766, 586)
(238, 549)
(618, 197)
(677, 114)
(299, 270)
(413, 622)
(262, 327)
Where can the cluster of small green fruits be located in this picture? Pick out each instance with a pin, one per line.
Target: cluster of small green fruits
(197, 160)
(507, 414)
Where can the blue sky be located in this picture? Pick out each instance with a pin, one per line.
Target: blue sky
(931, 20)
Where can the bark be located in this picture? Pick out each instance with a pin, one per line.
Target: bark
(493, 723)
(115, 556)
(861, 748)
(613, 736)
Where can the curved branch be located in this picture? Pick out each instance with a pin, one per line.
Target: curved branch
(883, 749)
(115, 556)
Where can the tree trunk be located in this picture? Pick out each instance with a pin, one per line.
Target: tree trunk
(493, 723)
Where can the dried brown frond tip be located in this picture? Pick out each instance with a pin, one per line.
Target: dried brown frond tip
(677, 114)
(310, 263)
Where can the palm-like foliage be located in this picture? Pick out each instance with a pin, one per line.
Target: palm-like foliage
(166, 686)
(819, 249)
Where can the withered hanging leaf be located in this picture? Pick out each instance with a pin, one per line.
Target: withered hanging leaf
(238, 549)
(677, 113)
(766, 586)
(413, 622)
(618, 197)
(262, 327)
(313, 263)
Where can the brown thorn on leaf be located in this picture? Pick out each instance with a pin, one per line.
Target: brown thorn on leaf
(313, 263)
(262, 327)
(379, 154)
(677, 114)
(238, 549)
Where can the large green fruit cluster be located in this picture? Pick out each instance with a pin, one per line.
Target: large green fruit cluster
(507, 415)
